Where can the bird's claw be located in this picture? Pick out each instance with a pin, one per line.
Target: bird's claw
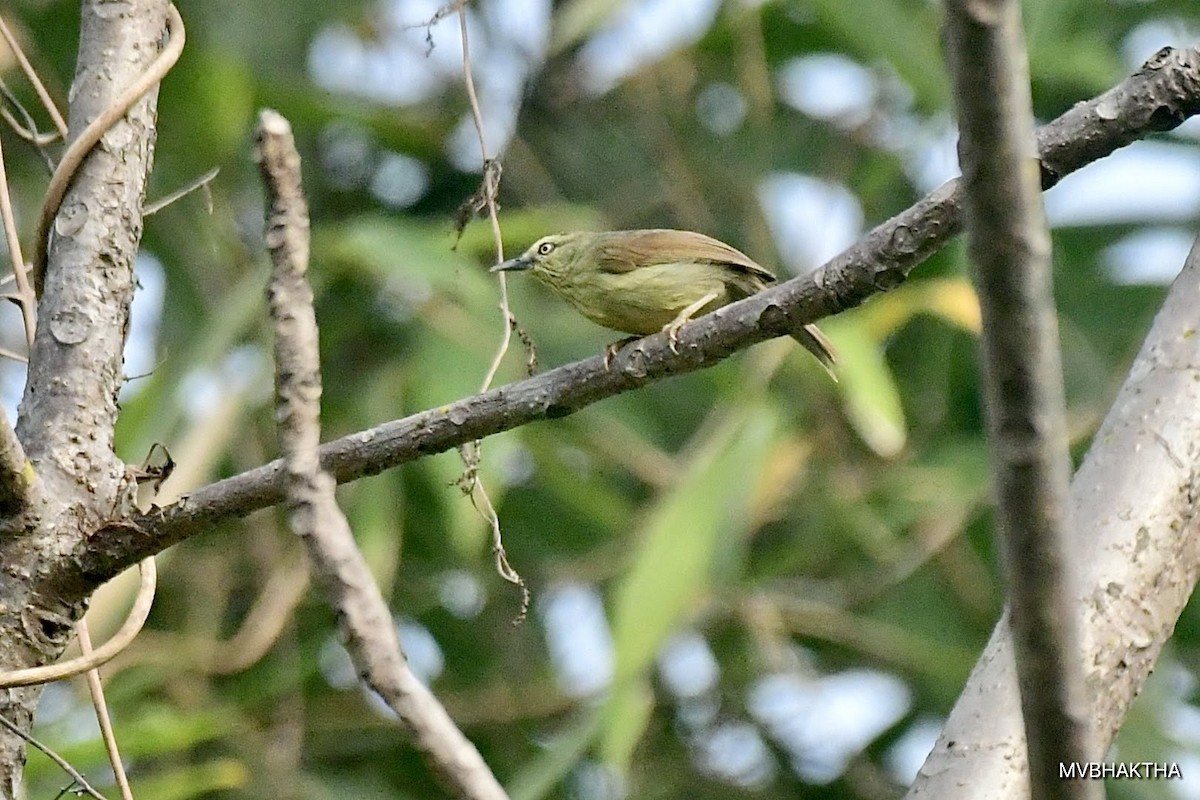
(610, 352)
(672, 332)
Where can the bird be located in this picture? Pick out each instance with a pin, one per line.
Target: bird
(645, 281)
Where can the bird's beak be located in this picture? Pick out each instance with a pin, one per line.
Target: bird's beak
(513, 265)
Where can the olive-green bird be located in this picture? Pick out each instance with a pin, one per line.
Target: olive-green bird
(646, 281)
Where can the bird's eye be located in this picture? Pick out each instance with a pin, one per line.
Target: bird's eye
(545, 248)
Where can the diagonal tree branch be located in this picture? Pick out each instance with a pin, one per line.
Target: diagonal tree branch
(76, 777)
(1161, 95)
(1009, 246)
(363, 617)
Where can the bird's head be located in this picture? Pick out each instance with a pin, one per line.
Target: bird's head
(549, 258)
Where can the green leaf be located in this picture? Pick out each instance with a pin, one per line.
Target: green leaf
(869, 390)
(195, 780)
(680, 537)
(869, 393)
(539, 777)
(674, 562)
(626, 715)
(952, 300)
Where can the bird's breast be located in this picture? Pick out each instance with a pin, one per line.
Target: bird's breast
(645, 299)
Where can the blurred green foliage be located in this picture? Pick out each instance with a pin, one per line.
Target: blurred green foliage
(795, 527)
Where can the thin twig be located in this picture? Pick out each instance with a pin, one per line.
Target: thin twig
(268, 618)
(264, 622)
(491, 176)
(472, 452)
(200, 183)
(11, 354)
(31, 135)
(438, 16)
(62, 763)
(96, 691)
(29, 131)
(491, 180)
(31, 74)
(368, 630)
(886, 642)
(24, 295)
(483, 504)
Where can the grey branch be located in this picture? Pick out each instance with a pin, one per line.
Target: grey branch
(75, 367)
(69, 408)
(1160, 96)
(1135, 535)
(1009, 246)
(366, 624)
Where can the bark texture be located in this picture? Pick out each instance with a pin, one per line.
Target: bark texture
(1135, 537)
(69, 409)
(1009, 246)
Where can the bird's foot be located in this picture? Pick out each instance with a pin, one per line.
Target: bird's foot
(610, 351)
(672, 332)
(671, 329)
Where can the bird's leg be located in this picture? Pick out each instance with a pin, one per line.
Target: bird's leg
(671, 329)
(610, 351)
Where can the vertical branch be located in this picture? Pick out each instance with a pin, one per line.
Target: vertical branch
(83, 142)
(1135, 505)
(69, 409)
(368, 630)
(1009, 245)
(63, 174)
(75, 368)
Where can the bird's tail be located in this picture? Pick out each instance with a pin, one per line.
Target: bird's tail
(816, 343)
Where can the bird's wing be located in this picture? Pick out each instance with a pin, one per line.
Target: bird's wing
(622, 251)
